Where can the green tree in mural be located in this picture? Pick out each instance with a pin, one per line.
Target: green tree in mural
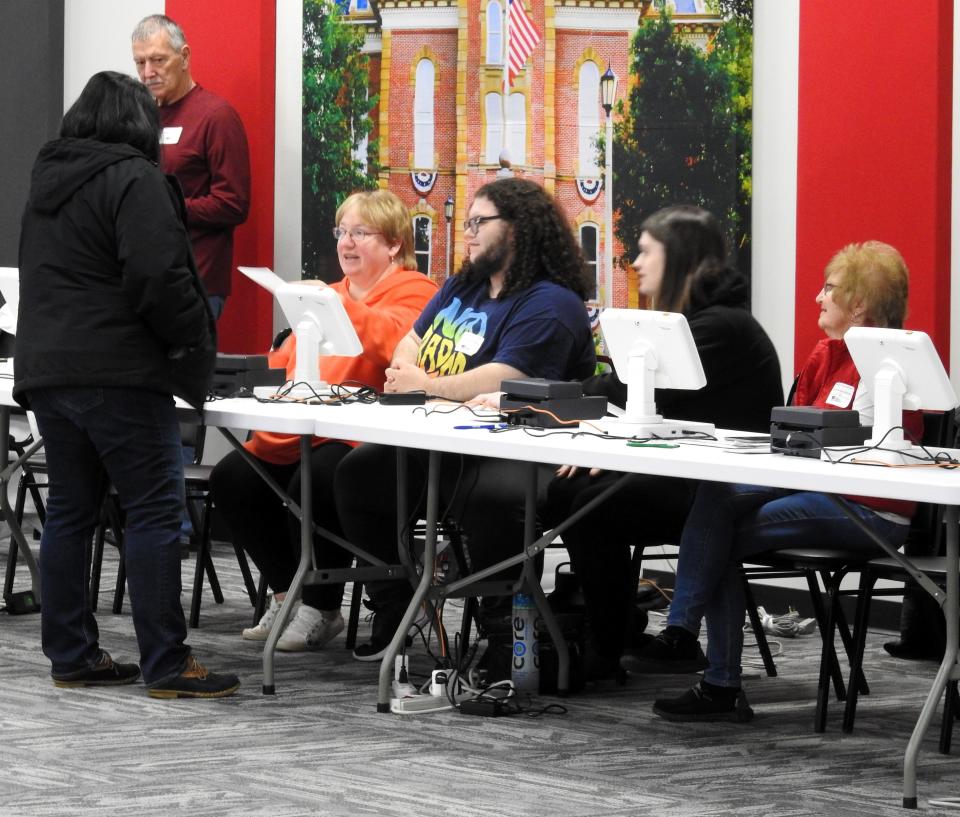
(335, 123)
(684, 133)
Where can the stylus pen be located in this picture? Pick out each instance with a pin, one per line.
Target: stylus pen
(638, 444)
(488, 427)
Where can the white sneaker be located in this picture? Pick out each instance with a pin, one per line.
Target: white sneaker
(309, 630)
(262, 630)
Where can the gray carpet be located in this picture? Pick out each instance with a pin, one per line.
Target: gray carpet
(320, 748)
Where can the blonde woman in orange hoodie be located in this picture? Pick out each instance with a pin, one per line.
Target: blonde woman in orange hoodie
(383, 294)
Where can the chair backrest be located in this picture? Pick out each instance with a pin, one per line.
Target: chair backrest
(926, 528)
(194, 435)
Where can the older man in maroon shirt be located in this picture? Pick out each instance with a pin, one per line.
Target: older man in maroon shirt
(203, 144)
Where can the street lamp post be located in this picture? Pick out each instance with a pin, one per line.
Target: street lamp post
(448, 215)
(608, 92)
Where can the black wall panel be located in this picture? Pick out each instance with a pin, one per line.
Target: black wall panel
(31, 102)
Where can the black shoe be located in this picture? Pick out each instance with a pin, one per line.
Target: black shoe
(639, 641)
(196, 681)
(106, 673)
(386, 620)
(914, 650)
(699, 704)
(675, 650)
(597, 667)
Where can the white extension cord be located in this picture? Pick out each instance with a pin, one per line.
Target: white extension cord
(787, 625)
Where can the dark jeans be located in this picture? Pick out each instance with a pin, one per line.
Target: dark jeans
(217, 302)
(645, 509)
(727, 524)
(485, 497)
(261, 524)
(133, 435)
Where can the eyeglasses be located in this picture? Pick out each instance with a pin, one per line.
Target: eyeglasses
(358, 234)
(828, 288)
(472, 225)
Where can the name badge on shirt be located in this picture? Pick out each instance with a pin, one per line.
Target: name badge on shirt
(840, 395)
(170, 136)
(468, 343)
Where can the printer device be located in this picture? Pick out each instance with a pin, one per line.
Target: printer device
(527, 401)
(805, 431)
(240, 374)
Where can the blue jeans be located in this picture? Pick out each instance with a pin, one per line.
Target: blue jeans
(217, 303)
(132, 436)
(731, 522)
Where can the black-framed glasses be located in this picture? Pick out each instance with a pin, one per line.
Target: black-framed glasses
(358, 234)
(471, 225)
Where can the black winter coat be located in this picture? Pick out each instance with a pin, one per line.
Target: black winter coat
(739, 361)
(109, 291)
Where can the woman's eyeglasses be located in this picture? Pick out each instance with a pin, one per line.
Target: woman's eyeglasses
(472, 225)
(358, 234)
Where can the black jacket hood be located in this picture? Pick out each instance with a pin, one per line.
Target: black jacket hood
(720, 286)
(65, 165)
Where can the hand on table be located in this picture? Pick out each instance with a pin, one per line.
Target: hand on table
(406, 377)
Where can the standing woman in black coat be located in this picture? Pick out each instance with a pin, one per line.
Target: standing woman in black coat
(113, 323)
(681, 267)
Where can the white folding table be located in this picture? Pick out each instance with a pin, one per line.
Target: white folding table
(436, 432)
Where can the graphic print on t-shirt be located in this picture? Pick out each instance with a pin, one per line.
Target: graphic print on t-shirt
(453, 337)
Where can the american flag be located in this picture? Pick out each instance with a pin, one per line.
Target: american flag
(524, 37)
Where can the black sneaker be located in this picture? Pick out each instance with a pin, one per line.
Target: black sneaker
(914, 650)
(196, 681)
(386, 620)
(675, 650)
(699, 704)
(106, 673)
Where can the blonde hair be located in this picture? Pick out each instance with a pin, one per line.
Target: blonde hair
(872, 275)
(384, 211)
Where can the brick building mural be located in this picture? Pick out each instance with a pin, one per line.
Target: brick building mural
(443, 127)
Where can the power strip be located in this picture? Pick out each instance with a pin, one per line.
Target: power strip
(417, 704)
(427, 703)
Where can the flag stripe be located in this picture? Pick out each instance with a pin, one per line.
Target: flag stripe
(524, 37)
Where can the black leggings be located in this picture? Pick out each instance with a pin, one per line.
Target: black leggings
(267, 531)
(485, 497)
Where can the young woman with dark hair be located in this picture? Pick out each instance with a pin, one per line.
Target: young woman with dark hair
(681, 266)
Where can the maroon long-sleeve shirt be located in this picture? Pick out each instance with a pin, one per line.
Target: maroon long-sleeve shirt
(204, 145)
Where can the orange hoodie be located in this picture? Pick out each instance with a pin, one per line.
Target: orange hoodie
(381, 321)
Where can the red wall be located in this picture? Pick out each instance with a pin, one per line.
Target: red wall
(874, 148)
(234, 55)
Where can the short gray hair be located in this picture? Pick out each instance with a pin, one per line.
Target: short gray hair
(153, 23)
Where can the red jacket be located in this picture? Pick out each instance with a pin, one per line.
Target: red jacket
(829, 379)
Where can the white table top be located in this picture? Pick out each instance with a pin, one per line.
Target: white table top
(413, 428)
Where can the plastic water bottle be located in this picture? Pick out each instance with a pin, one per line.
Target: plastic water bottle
(525, 666)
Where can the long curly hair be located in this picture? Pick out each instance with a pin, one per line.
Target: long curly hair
(543, 245)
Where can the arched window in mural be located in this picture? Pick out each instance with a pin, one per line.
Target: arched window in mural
(588, 118)
(494, 33)
(516, 141)
(517, 129)
(423, 242)
(494, 116)
(423, 125)
(589, 243)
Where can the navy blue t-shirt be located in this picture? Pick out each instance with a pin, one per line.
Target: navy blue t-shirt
(542, 331)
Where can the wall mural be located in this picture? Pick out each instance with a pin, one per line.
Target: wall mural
(435, 100)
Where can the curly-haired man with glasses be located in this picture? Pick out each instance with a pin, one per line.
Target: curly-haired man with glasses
(515, 309)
